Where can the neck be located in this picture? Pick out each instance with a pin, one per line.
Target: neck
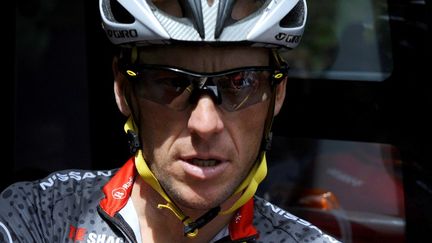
(161, 225)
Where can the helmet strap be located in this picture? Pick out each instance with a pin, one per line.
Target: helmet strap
(259, 170)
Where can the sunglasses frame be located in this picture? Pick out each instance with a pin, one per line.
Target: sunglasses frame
(277, 72)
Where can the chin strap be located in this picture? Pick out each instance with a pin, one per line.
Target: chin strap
(149, 177)
(248, 188)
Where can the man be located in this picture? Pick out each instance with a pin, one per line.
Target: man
(200, 83)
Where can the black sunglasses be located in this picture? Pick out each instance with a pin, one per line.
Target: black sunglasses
(177, 88)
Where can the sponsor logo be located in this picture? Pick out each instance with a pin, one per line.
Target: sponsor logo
(96, 238)
(288, 38)
(75, 175)
(238, 218)
(76, 233)
(287, 215)
(131, 33)
(280, 36)
(281, 212)
(120, 192)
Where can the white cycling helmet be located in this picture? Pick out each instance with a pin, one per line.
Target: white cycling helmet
(270, 23)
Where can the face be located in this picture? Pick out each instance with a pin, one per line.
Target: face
(201, 154)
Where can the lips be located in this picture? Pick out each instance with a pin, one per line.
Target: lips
(204, 168)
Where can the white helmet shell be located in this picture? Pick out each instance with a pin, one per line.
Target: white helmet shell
(276, 23)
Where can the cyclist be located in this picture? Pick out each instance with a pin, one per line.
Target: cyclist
(200, 82)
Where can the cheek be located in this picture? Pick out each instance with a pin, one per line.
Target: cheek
(159, 127)
(248, 131)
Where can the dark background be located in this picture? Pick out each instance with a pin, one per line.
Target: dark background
(64, 114)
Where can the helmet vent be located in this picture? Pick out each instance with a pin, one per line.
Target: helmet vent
(295, 17)
(119, 13)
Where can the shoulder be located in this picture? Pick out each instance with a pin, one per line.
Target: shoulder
(75, 179)
(36, 206)
(275, 223)
(55, 188)
(59, 183)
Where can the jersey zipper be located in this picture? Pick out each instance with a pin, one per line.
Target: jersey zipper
(120, 223)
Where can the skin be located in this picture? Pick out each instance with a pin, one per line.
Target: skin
(169, 138)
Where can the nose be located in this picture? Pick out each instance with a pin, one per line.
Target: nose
(205, 119)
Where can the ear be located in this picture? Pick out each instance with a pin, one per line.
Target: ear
(280, 96)
(120, 86)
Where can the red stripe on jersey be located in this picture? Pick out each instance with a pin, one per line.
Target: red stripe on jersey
(241, 225)
(117, 191)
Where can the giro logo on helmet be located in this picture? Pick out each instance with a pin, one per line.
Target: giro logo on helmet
(280, 36)
(131, 33)
(288, 38)
(293, 38)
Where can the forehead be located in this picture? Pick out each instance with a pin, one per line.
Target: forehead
(204, 58)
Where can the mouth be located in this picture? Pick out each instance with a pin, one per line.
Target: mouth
(204, 162)
(204, 169)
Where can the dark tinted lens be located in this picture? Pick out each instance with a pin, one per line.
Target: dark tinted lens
(164, 87)
(242, 89)
(173, 87)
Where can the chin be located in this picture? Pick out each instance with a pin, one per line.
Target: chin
(200, 202)
(194, 200)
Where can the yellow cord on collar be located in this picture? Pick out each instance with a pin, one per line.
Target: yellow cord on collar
(149, 178)
(248, 187)
(250, 184)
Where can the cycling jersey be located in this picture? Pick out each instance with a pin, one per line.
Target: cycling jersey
(95, 206)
